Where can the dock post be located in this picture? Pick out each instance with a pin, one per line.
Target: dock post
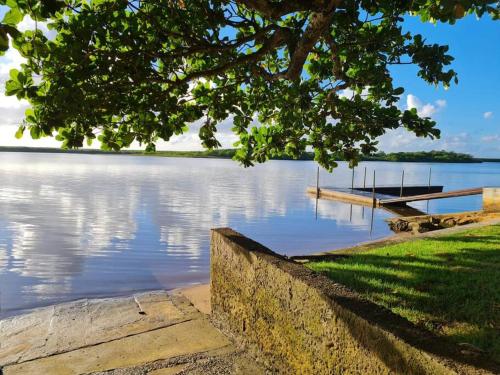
(402, 183)
(373, 206)
(429, 188)
(317, 183)
(373, 189)
(352, 179)
(364, 187)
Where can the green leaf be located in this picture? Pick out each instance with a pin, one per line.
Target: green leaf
(13, 87)
(20, 132)
(399, 91)
(13, 17)
(29, 115)
(35, 132)
(14, 74)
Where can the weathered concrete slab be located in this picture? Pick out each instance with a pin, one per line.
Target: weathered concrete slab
(155, 333)
(73, 325)
(184, 338)
(24, 334)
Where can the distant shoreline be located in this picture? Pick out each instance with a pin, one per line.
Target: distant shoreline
(422, 157)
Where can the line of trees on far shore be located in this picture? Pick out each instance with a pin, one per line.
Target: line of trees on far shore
(414, 156)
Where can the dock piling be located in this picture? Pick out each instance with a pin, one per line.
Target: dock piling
(317, 183)
(373, 189)
(427, 205)
(373, 205)
(364, 187)
(402, 183)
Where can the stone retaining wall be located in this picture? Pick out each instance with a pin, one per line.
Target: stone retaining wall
(299, 322)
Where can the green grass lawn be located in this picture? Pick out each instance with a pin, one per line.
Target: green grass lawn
(450, 285)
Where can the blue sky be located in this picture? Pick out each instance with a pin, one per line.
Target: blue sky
(470, 117)
(468, 114)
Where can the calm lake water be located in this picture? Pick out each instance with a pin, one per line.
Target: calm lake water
(74, 226)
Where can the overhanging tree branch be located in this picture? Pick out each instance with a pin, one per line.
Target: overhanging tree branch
(128, 68)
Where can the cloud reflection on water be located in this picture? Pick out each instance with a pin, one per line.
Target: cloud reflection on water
(83, 225)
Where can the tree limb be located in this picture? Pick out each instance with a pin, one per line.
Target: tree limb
(277, 10)
(319, 25)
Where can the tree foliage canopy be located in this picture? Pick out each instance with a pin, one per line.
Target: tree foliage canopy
(144, 70)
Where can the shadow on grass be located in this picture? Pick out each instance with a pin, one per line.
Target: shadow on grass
(470, 239)
(455, 293)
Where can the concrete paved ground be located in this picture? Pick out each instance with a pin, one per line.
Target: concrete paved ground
(153, 333)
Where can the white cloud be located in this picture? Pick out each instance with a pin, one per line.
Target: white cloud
(191, 141)
(29, 24)
(12, 59)
(349, 93)
(441, 103)
(488, 115)
(491, 138)
(11, 109)
(424, 110)
(400, 140)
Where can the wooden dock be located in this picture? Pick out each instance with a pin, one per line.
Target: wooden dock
(398, 205)
(364, 198)
(383, 194)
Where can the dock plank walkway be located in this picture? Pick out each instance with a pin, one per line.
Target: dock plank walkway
(346, 195)
(426, 197)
